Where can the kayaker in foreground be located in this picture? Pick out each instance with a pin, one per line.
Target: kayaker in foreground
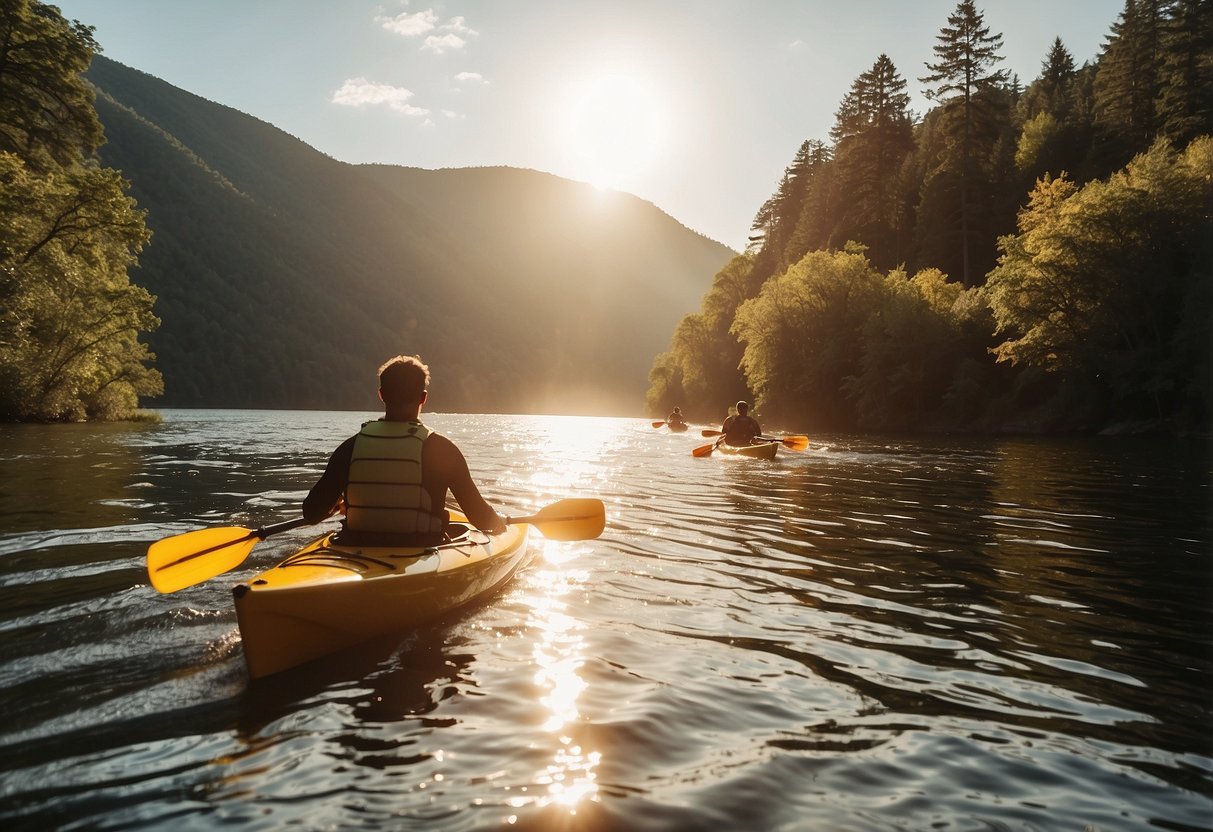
(741, 428)
(394, 474)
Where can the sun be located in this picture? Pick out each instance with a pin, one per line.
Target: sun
(613, 130)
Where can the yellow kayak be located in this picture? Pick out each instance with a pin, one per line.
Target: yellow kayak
(765, 450)
(328, 596)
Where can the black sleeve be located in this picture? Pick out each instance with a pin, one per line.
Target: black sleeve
(322, 499)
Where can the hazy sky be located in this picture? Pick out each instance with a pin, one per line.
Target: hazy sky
(694, 105)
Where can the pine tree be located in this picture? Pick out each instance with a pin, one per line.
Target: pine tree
(965, 83)
(873, 136)
(1185, 104)
(775, 223)
(1128, 82)
(1051, 92)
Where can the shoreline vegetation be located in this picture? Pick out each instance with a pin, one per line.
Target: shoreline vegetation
(1022, 259)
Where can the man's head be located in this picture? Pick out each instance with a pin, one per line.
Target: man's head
(742, 408)
(403, 381)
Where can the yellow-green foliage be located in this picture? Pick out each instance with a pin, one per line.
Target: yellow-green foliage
(1110, 279)
(69, 317)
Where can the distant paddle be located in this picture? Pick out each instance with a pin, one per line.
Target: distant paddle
(659, 424)
(795, 443)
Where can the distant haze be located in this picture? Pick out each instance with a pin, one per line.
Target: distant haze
(284, 277)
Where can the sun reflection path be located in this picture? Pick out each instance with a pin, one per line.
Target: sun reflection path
(570, 778)
(565, 453)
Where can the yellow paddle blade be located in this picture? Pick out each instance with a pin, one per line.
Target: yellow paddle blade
(704, 450)
(191, 558)
(710, 432)
(795, 443)
(572, 519)
(658, 424)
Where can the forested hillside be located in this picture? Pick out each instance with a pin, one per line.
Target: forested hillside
(283, 277)
(1019, 257)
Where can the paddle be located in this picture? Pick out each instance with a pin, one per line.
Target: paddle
(187, 559)
(704, 450)
(795, 443)
(571, 519)
(658, 424)
(184, 560)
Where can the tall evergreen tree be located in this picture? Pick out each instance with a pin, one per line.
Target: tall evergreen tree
(1128, 83)
(1051, 92)
(775, 222)
(873, 135)
(1056, 123)
(963, 79)
(1185, 104)
(814, 221)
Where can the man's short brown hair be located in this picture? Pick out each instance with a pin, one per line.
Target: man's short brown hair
(403, 379)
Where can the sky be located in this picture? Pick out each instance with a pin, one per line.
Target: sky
(697, 106)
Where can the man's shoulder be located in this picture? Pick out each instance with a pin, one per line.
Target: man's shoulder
(438, 443)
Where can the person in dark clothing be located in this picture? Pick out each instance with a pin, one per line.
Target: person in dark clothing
(741, 428)
(391, 478)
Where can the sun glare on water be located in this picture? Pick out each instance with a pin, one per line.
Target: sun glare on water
(613, 129)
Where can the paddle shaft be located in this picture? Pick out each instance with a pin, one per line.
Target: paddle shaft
(256, 534)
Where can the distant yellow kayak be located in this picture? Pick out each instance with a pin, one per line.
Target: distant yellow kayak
(327, 596)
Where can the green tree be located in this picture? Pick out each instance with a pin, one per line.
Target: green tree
(1185, 103)
(814, 217)
(46, 110)
(967, 85)
(69, 316)
(1051, 92)
(873, 136)
(1128, 82)
(1110, 283)
(774, 225)
(1055, 135)
(803, 336)
(917, 342)
(702, 367)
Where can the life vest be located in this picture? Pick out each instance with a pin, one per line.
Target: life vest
(384, 494)
(739, 430)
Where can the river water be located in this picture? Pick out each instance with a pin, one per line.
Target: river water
(875, 634)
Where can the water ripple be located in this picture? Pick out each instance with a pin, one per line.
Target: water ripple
(875, 634)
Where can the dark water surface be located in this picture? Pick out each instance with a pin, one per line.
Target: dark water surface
(949, 634)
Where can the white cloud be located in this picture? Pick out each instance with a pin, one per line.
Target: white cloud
(450, 114)
(458, 24)
(409, 25)
(438, 44)
(471, 76)
(359, 92)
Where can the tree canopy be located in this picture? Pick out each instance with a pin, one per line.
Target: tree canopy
(69, 315)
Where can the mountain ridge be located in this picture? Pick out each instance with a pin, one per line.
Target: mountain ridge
(284, 276)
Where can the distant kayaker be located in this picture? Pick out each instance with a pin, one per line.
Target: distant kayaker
(394, 474)
(675, 418)
(741, 428)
